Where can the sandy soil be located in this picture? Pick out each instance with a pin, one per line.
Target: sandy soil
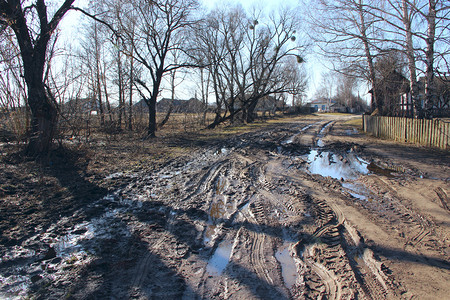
(304, 208)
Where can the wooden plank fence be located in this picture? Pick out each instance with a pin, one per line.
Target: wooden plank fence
(430, 133)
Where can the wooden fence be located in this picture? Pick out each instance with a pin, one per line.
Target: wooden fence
(431, 133)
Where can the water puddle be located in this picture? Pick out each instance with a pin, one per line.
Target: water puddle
(347, 167)
(357, 190)
(321, 134)
(292, 138)
(288, 267)
(70, 243)
(375, 169)
(336, 166)
(14, 287)
(351, 131)
(221, 208)
(169, 175)
(114, 175)
(223, 151)
(220, 258)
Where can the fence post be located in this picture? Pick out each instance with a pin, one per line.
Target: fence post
(435, 132)
(422, 131)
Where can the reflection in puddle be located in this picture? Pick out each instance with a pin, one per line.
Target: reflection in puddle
(351, 131)
(358, 191)
(220, 151)
(70, 243)
(221, 208)
(324, 128)
(336, 166)
(220, 258)
(320, 135)
(288, 268)
(210, 232)
(375, 169)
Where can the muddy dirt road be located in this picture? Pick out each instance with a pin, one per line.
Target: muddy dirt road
(305, 209)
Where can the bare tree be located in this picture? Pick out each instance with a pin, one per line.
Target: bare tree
(345, 31)
(248, 59)
(93, 56)
(33, 36)
(152, 37)
(13, 92)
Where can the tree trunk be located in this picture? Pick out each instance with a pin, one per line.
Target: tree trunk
(172, 90)
(100, 101)
(219, 119)
(130, 112)
(429, 85)
(43, 119)
(108, 104)
(121, 88)
(33, 50)
(98, 74)
(251, 115)
(369, 58)
(151, 133)
(406, 18)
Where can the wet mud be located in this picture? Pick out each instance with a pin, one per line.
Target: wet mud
(295, 211)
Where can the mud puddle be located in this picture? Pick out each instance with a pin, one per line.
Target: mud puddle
(220, 259)
(337, 166)
(347, 167)
(292, 138)
(221, 207)
(57, 253)
(321, 134)
(288, 267)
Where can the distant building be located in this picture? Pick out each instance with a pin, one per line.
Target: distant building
(270, 104)
(326, 105)
(78, 106)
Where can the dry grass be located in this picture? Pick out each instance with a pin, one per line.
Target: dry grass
(355, 122)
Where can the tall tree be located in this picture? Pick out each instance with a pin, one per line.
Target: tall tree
(345, 32)
(153, 31)
(33, 46)
(248, 59)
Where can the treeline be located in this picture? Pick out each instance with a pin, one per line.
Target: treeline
(128, 51)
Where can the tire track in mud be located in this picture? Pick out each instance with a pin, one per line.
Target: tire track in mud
(329, 259)
(324, 262)
(442, 195)
(251, 221)
(256, 201)
(332, 261)
(326, 266)
(324, 255)
(413, 227)
(249, 202)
